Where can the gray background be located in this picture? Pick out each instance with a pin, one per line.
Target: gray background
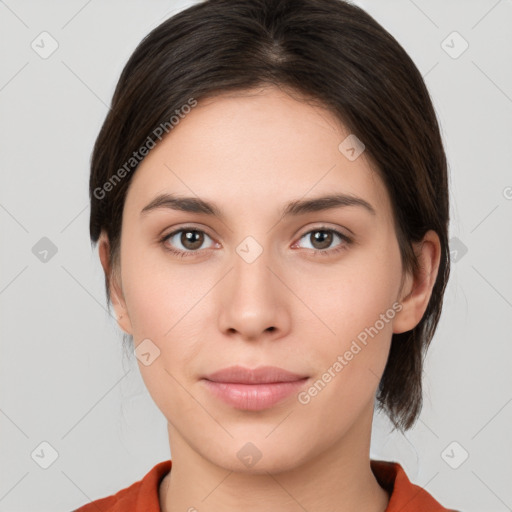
(63, 377)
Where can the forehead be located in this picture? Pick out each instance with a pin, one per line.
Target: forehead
(256, 147)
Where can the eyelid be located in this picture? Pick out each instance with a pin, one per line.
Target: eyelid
(325, 227)
(346, 239)
(186, 227)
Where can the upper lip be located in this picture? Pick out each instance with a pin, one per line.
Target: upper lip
(260, 375)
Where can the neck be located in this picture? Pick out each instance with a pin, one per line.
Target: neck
(337, 479)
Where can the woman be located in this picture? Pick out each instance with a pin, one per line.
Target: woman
(269, 197)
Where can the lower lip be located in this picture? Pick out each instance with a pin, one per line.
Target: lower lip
(254, 397)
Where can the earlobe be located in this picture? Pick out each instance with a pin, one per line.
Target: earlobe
(417, 289)
(111, 278)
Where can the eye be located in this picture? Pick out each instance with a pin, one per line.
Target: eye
(185, 241)
(322, 238)
(188, 241)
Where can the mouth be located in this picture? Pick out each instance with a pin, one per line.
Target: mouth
(256, 389)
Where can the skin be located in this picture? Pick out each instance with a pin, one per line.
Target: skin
(251, 153)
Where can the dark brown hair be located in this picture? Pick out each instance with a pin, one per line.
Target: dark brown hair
(328, 50)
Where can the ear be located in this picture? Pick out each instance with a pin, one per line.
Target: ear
(113, 281)
(417, 289)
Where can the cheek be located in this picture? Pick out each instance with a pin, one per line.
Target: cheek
(165, 308)
(350, 363)
(353, 295)
(168, 306)
(157, 295)
(356, 306)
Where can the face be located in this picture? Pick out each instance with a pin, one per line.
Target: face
(313, 291)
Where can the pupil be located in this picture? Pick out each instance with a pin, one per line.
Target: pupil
(324, 237)
(187, 239)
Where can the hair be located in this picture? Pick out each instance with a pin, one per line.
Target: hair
(330, 51)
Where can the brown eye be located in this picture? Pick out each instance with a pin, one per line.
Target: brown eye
(192, 239)
(322, 239)
(186, 240)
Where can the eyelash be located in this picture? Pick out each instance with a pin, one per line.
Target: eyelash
(325, 252)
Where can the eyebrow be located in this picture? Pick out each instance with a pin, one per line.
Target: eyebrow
(293, 208)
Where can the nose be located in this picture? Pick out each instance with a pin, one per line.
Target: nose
(253, 301)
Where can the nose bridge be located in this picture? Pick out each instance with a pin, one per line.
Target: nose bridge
(251, 268)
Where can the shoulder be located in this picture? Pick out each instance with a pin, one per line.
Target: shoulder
(404, 495)
(141, 495)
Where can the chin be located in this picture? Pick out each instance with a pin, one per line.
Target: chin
(249, 455)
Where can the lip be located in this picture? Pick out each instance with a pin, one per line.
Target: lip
(256, 389)
(261, 375)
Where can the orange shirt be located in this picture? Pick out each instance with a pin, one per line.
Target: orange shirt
(142, 496)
